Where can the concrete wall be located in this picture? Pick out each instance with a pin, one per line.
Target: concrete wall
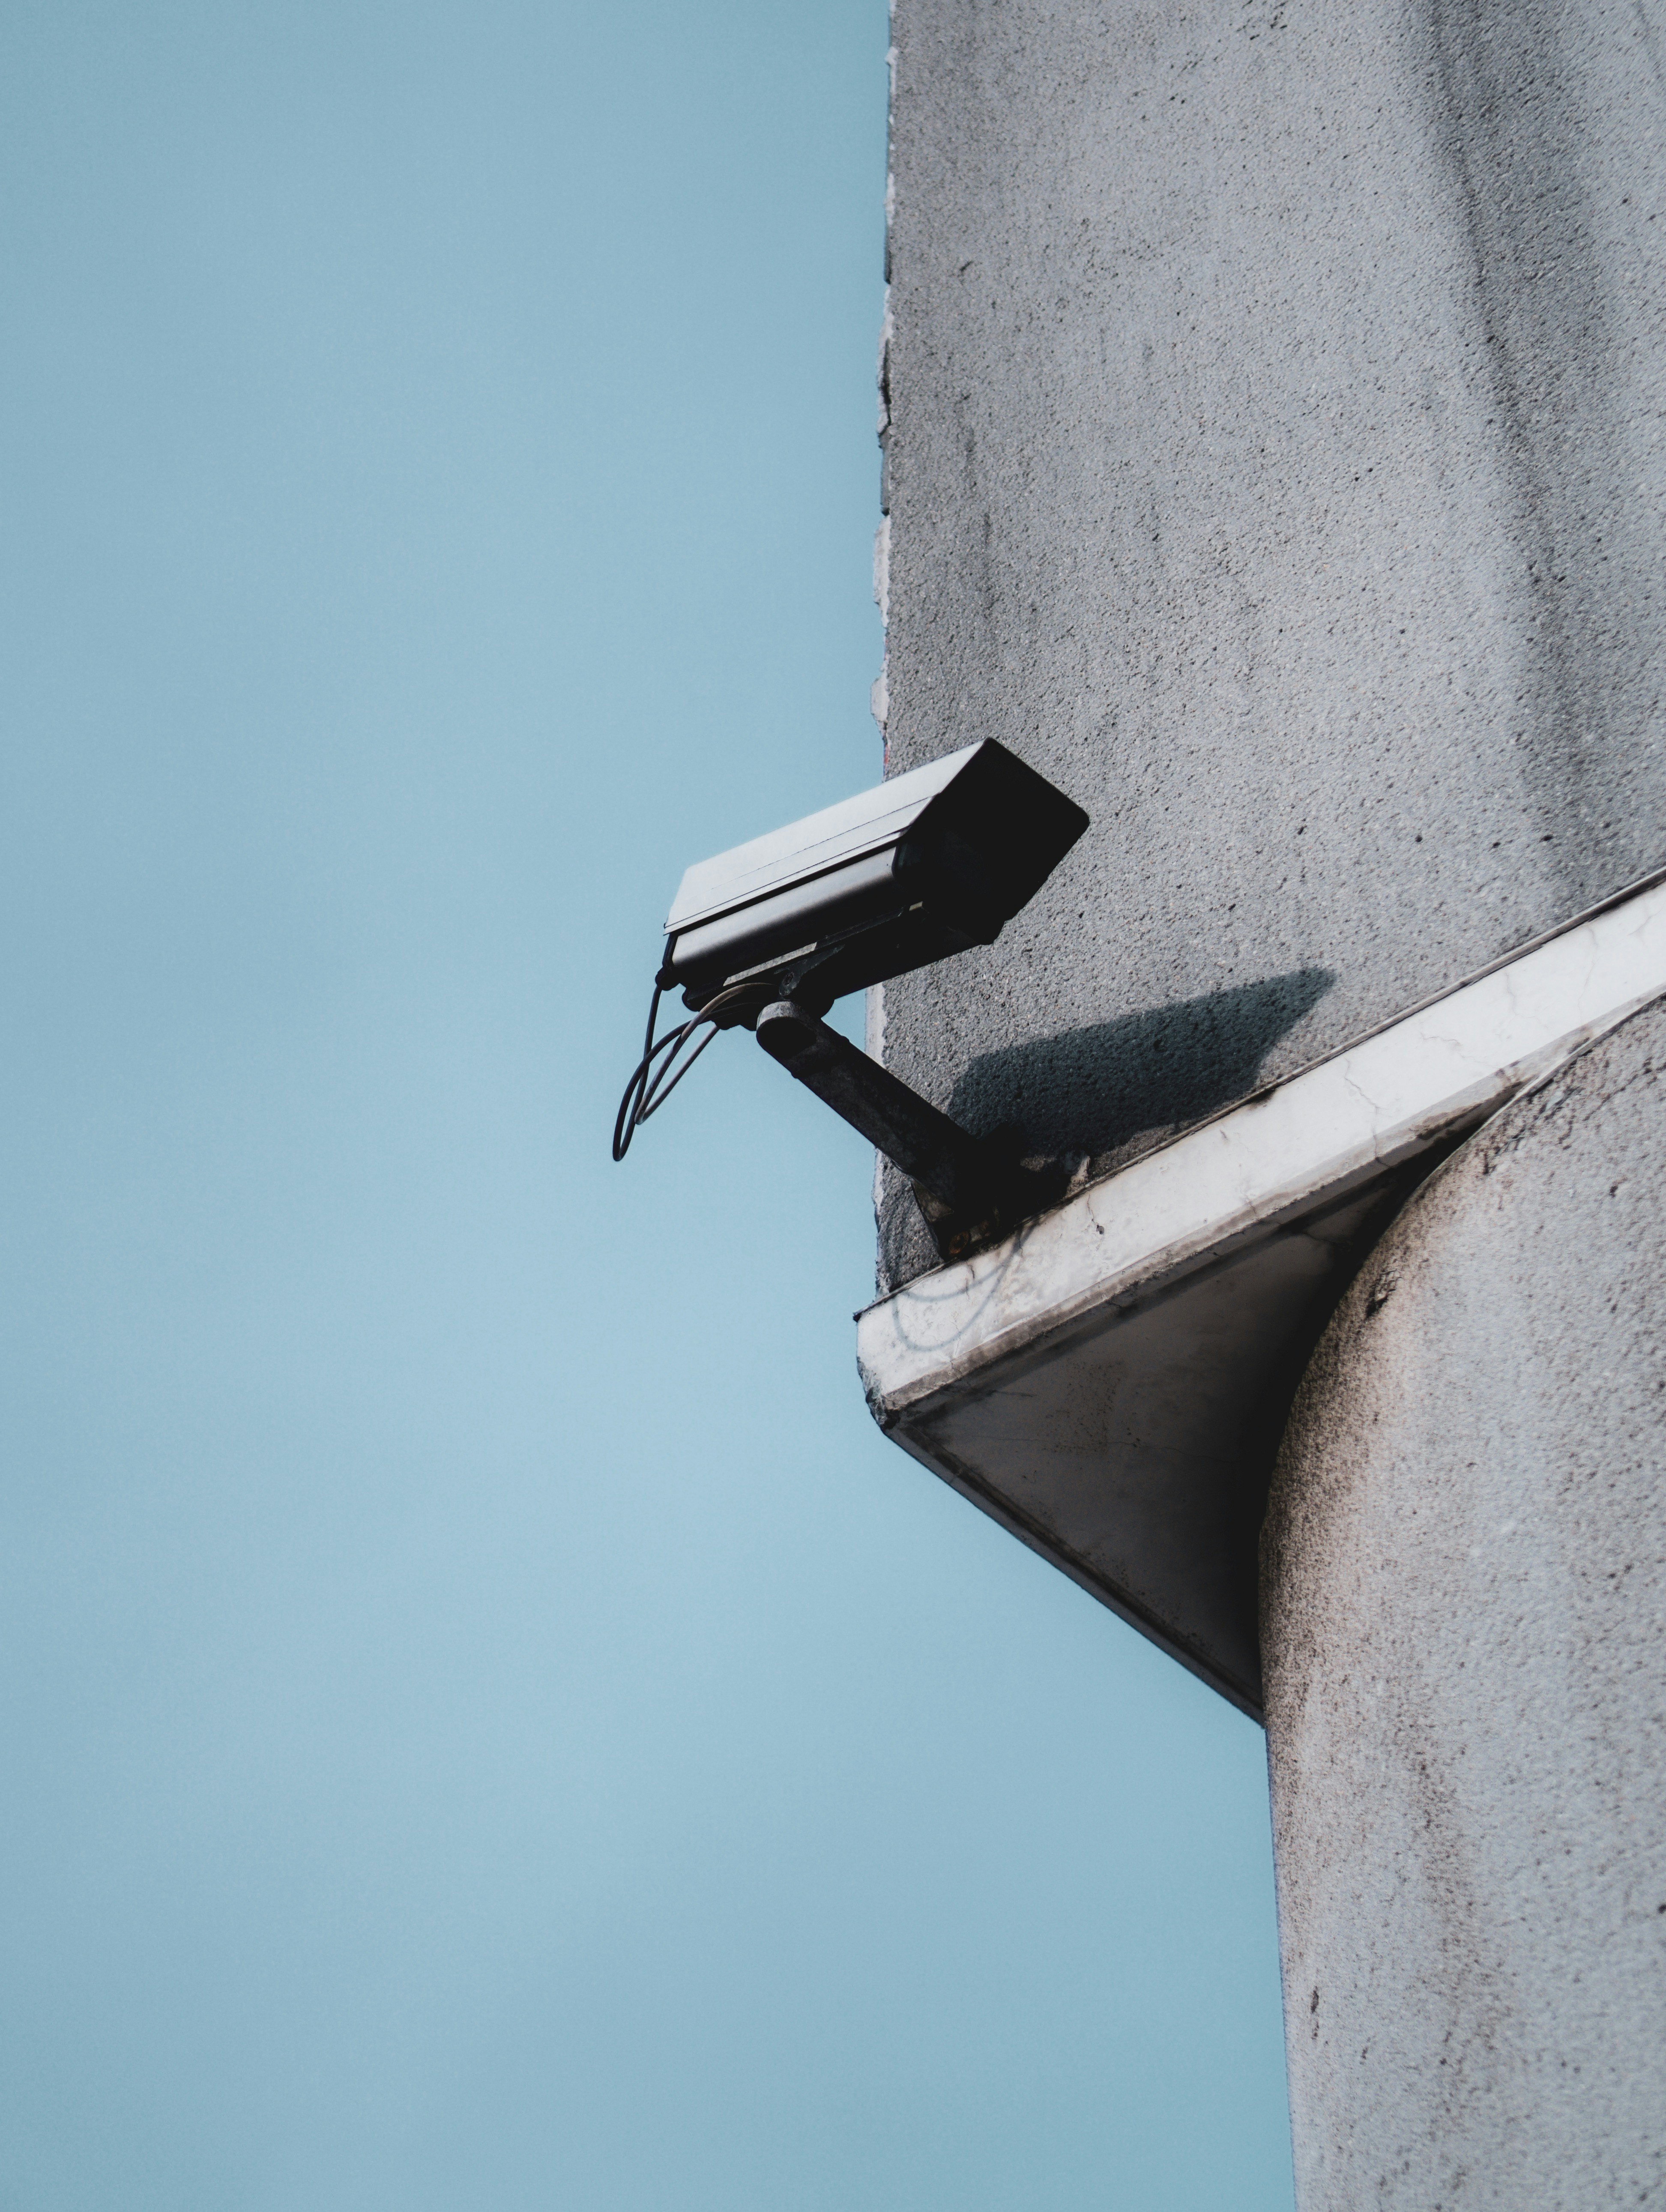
(1276, 459)
(1464, 1595)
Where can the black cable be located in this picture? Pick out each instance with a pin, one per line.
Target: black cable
(665, 1082)
(630, 1113)
(649, 1087)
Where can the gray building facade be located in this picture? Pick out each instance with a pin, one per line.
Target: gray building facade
(1273, 408)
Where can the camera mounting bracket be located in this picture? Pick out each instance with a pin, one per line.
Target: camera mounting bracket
(971, 1190)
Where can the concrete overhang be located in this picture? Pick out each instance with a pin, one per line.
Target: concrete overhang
(1111, 1383)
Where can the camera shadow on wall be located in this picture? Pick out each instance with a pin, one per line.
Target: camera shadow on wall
(1096, 1097)
(1103, 1093)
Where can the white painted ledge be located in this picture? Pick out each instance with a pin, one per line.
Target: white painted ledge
(1035, 1323)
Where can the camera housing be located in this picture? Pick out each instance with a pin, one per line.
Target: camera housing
(929, 864)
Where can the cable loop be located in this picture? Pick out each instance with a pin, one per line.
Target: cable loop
(650, 1086)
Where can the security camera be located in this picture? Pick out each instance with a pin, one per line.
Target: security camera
(931, 863)
(768, 935)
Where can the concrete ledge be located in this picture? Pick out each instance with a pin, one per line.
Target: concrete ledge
(1109, 1383)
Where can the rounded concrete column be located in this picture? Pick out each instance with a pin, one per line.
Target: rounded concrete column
(1464, 1631)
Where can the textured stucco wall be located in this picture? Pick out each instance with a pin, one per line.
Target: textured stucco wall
(1464, 1633)
(1275, 458)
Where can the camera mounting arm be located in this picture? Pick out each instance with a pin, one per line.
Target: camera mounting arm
(971, 1189)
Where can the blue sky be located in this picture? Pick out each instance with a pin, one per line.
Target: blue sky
(487, 1721)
